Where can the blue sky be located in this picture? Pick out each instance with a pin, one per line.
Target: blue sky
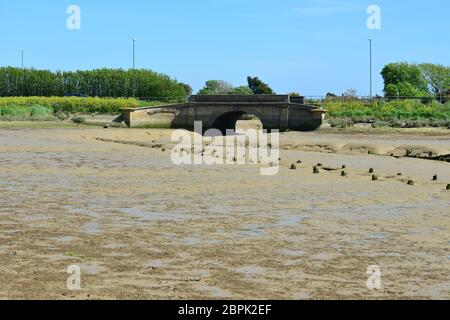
(307, 46)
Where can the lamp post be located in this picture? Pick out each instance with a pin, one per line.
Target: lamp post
(134, 66)
(370, 58)
(134, 53)
(22, 53)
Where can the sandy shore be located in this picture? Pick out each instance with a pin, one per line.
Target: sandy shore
(142, 228)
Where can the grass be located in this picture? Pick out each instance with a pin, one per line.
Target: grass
(397, 114)
(74, 255)
(72, 104)
(33, 113)
(39, 109)
(155, 104)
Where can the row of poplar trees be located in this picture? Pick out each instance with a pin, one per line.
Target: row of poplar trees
(112, 83)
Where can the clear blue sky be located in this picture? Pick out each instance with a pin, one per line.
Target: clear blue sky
(309, 46)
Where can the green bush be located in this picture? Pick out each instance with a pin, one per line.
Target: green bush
(79, 120)
(398, 113)
(38, 112)
(398, 109)
(34, 112)
(71, 104)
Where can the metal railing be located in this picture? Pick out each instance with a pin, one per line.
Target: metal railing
(320, 100)
(163, 99)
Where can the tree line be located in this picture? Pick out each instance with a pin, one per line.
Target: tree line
(401, 80)
(111, 83)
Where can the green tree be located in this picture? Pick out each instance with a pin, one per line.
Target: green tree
(437, 76)
(258, 87)
(404, 80)
(350, 93)
(216, 87)
(187, 88)
(403, 89)
(95, 83)
(242, 90)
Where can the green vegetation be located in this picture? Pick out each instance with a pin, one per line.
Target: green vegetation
(33, 112)
(74, 255)
(426, 88)
(243, 90)
(36, 105)
(416, 80)
(259, 87)
(96, 83)
(398, 113)
(52, 109)
(155, 104)
(79, 119)
(221, 87)
(216, 87)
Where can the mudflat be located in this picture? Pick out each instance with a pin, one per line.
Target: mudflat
(140, 227)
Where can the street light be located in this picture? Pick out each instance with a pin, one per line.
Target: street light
(370, 47)
(21, 73)
(134, 53)
(22, 52)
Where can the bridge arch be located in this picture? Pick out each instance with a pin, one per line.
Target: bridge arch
(228, 120)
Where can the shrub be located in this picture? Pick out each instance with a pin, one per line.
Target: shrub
(79, 120)
(34, 112)
(38, 112)
(397, 113)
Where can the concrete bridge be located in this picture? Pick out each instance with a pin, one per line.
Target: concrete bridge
(280, 112)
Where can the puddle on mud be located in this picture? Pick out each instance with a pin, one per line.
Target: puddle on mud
(250, 271)
(437, 291)
(115, 245)
(370, 239)
(325, 256)
(92, 228)
(193, 241)
(32, 218)
(292, 262)
(213, 292)
(252, 230)
(291, 253)
(155, 264)
(90, 268)
(158, 216)
(290, 221)
(66, 239)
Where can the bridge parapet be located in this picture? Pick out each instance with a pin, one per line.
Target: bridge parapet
(237, 98)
